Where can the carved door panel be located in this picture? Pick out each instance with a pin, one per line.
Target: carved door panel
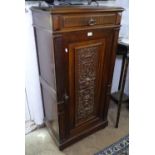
(86, 64)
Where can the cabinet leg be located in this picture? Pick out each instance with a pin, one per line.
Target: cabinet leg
(118, 114)
(122, 91)
(121, 75)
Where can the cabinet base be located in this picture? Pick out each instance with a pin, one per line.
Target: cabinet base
(79, 136)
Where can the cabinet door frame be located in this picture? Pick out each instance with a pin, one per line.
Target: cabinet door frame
(68, 39)
(73, 67)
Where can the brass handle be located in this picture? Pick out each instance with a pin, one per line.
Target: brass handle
(92, 22)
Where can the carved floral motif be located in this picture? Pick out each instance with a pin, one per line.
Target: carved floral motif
(87, 60)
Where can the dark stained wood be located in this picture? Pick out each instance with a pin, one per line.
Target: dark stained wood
(57, 22)
(76, 54)
(86, 91)
(83, 134)
(110, 68)
(72, 21)
(118, 18)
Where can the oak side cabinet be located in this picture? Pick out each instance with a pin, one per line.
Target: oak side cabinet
(76, 49)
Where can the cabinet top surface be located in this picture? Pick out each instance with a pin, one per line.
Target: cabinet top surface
(74, 9)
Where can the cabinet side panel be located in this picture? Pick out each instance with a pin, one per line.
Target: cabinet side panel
(46, 62)
(45, 57)
(50, 108)
(42, 20)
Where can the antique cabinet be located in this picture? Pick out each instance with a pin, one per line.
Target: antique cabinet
(76, 54)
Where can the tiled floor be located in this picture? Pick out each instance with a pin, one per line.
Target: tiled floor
(39, 142)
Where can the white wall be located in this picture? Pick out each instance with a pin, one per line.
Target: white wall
(32, 78)
(31, 71)
(27, 111)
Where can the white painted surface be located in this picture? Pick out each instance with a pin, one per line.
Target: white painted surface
(32, 77)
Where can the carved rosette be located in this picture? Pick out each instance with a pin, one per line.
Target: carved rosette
(86, 60)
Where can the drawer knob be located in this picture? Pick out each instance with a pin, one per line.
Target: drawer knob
(92, 22)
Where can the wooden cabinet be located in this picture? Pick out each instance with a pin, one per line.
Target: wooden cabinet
(76, 54)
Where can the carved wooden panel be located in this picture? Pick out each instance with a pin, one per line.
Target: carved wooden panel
(86, 82)
(86, 63)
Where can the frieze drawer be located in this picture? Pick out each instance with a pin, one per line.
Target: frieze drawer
(61, 22)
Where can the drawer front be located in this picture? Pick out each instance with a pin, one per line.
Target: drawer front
(84, 20)
(88, 20)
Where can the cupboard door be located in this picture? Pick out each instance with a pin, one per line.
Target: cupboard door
(86, 61)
